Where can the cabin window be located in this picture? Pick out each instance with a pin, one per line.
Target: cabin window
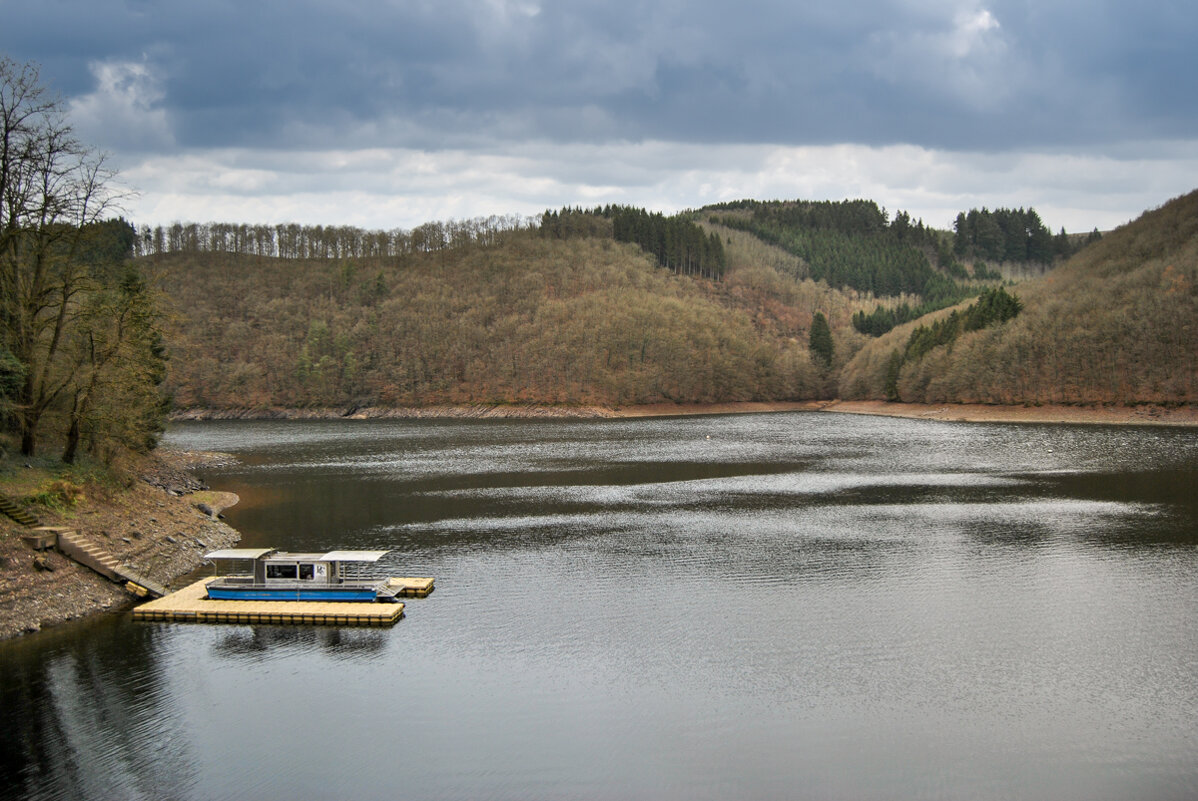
(306, 571)
(281, 571)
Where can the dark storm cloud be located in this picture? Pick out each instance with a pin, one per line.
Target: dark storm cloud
(960, 75)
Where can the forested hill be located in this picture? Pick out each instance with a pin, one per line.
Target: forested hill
(527, 319)
(616, 306)
(1117, 323)
(854, 245)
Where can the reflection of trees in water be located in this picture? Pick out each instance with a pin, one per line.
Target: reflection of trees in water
(1147, 508)
(253, 641)
(991, 532)
(87, 710)
(89, 717)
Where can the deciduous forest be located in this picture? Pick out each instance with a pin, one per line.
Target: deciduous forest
(746, 301)
(82, 357)
(533, 319)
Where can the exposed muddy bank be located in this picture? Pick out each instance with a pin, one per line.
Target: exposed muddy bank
(161, 525)
(517, 411)
(397, 412)
(962, 412)
(982, 413)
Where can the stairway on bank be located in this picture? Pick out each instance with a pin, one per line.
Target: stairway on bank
(81, 549)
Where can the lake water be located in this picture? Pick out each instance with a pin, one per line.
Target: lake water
(775, 606)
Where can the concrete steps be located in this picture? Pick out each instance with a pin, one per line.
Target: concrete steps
(15, 511)
(81, 549)
(89, 554)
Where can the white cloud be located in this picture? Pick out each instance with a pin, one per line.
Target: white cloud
(513, 8)
(123, 109)
(957, 53)
(389, 188)
(969, 31)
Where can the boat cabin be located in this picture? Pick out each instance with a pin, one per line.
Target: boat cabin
(270, 567)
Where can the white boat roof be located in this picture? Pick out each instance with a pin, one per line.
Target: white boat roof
(353, 556)
(331, 556)
(238, 553)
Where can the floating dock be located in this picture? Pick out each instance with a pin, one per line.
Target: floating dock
(409, 587)
(192, 605)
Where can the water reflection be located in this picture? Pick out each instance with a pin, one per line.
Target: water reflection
(90, 717)
(1020, 536)
(252, 642)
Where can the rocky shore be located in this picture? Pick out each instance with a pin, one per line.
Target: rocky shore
(983, 413)
(161, 525)
(501, 411)
(468, 411)
(959, 412)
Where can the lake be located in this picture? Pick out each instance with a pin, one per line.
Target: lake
(798, 605)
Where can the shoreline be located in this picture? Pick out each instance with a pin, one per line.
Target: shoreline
(1144, 414)
(161, 525)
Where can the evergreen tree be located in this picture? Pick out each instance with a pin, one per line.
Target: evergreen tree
(893, 367)
(821, 339)
(989, 239)
(1060, 245)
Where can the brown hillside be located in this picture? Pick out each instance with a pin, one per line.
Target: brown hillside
(1118, 323)
(581, 321)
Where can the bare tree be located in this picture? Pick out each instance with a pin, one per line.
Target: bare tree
(51, 187)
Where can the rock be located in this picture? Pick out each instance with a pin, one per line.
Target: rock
(206, 509)
(42, 563)
(171, 539)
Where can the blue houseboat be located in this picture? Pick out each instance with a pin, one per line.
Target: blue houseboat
(265, 574)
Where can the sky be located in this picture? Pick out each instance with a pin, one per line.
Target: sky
(386, 114)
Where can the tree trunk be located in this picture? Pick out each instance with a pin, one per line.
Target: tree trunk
(28, 436)
(68, 455)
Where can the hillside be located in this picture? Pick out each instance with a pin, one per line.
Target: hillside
(718, 306)
(527, 319)
(1117, 323)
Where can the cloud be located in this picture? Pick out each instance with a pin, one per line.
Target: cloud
(124, 110)
(392, 112)
(401, 188)
(939, 73)
(970, 27)
(959, 56)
